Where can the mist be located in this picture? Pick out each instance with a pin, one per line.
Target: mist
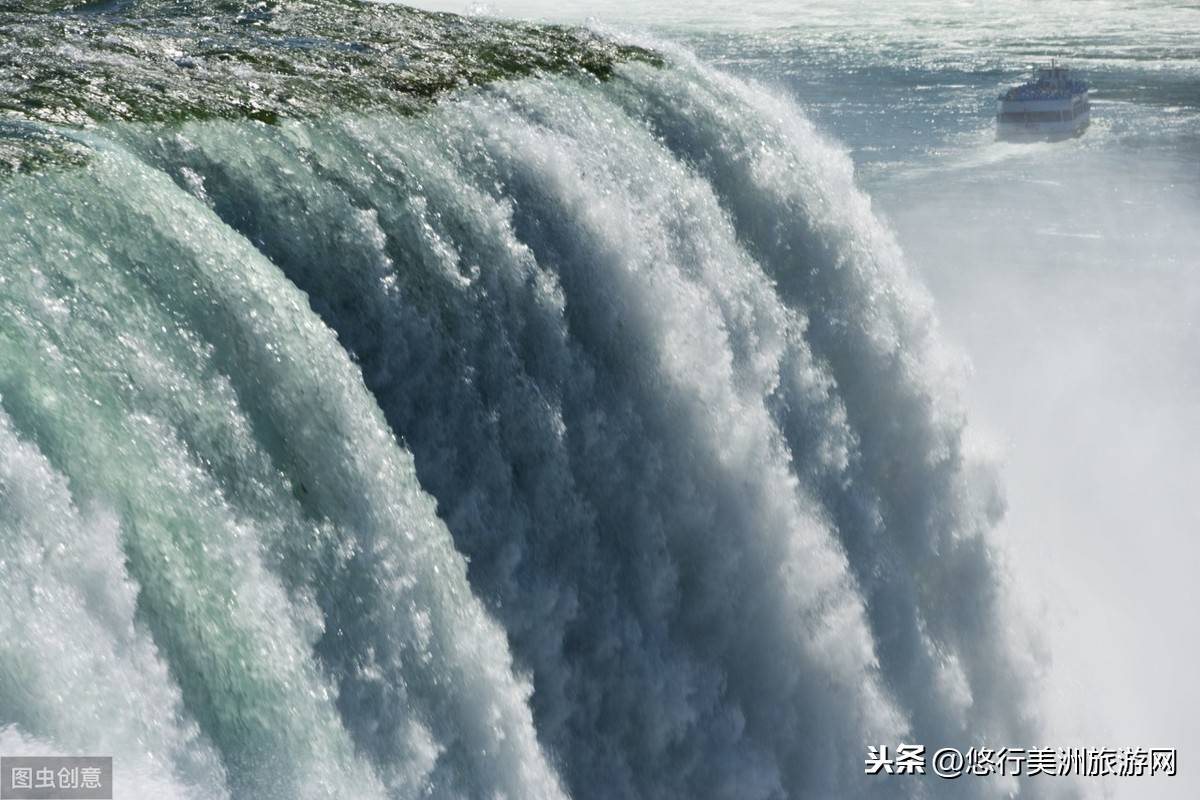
(1069, 277)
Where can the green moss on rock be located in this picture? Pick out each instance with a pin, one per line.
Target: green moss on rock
(82, 63)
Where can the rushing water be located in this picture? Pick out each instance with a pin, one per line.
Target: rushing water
(397, 405)
(1068, 273)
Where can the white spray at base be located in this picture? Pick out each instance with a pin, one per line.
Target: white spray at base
(666, 386)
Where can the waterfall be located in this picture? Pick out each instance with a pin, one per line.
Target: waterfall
(576, 435)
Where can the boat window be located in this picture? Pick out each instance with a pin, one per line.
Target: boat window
(1021, 117)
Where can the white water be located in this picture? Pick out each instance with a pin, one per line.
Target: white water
(572, 438)
(1067, 273)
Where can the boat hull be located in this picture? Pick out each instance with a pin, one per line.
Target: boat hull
(1043, 119)
(1041, 131)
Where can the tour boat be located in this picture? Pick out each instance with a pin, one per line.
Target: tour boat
(1054, 105)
